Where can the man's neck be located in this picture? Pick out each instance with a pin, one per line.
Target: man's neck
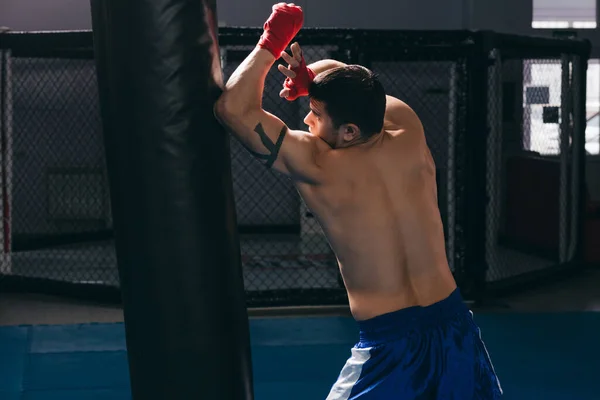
(361, 141)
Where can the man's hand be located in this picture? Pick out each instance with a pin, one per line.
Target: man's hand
(281, 27)
(298, 75)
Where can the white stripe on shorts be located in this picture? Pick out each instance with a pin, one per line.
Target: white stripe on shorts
(350, 374)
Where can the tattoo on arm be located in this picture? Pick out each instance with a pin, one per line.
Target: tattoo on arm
(273, 148)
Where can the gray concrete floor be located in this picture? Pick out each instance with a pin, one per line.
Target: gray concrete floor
(579, 293)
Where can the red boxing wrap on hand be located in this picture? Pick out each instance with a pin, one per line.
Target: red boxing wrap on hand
(281, 27)
(298, 86)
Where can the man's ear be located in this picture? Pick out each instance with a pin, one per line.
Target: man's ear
(350, 132)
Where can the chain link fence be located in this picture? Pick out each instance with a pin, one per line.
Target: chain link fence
(60, 200)
(283, 249)
(57, 225)
(535, 153)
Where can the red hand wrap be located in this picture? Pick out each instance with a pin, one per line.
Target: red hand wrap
(281, 27)
(298, 86)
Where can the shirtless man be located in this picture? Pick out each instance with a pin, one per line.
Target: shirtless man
(365, 171)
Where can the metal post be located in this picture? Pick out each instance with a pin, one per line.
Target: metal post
(580, 66)
(494, 156)
(451, 165)
(476, 164)
(564, 135)
(6, 160)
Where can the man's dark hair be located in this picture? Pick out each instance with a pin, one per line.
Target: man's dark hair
(351, 94)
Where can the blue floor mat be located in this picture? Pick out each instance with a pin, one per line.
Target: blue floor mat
(537, 356)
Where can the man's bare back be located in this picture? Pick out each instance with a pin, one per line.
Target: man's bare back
(378, 208)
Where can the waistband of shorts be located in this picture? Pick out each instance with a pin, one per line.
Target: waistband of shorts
(396, 324)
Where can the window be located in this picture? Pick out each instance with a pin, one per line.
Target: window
(592, 137)
(561, 14)
(542, 101)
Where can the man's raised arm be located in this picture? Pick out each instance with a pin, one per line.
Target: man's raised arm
(240, 109)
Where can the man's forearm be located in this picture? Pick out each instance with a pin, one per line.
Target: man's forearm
(244, 89)
(325, 65)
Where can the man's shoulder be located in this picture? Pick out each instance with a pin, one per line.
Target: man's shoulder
(318, 145)
(400, 116)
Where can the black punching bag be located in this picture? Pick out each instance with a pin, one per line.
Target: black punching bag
(168, 162)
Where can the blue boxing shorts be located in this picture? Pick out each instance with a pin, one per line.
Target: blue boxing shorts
(432, 352)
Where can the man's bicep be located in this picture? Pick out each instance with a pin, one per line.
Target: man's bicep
(260, 133)
(290, 152)
(265, 140)
(272, 143)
